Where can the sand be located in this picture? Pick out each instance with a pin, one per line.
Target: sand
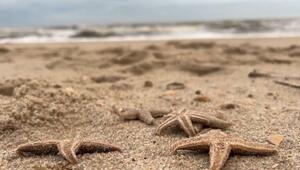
(59, 91)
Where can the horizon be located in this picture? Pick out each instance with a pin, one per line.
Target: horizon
(53, 13)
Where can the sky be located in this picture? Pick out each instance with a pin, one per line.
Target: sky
(16, 13)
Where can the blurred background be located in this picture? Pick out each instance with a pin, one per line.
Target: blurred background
(116, 20)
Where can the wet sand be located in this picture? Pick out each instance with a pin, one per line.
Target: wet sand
(59, 91)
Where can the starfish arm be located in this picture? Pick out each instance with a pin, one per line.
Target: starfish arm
(170, 115)
(186, 124)
(168, 122)
(218, 155)
(199, 119)
(244, 147)
(128, 113)
(67, 149)
(38, 148)
(89, 147)
(210, 121)
(159, 113)
(200, 144)
(145, 116)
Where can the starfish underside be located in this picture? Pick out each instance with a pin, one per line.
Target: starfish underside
(67, 148)
(220, 145)
(185, 120)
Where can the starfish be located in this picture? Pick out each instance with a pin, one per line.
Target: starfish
(185, 118)
(144, 115)
(220, 145)
(67, 148)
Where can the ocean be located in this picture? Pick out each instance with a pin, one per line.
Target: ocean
(154, 31)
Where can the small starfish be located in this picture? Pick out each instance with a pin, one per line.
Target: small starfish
(144, 115)
(220, 145)
(67, 148)
(186, 118)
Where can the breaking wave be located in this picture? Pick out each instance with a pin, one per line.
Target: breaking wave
(163, 31)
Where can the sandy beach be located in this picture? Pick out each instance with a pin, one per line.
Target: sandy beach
(66, 90)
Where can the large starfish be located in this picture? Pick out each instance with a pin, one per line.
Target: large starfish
(185, 118)
(147, 116)
(220, 145)
(67, 148)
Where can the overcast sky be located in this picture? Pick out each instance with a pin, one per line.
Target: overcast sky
(65, 12)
